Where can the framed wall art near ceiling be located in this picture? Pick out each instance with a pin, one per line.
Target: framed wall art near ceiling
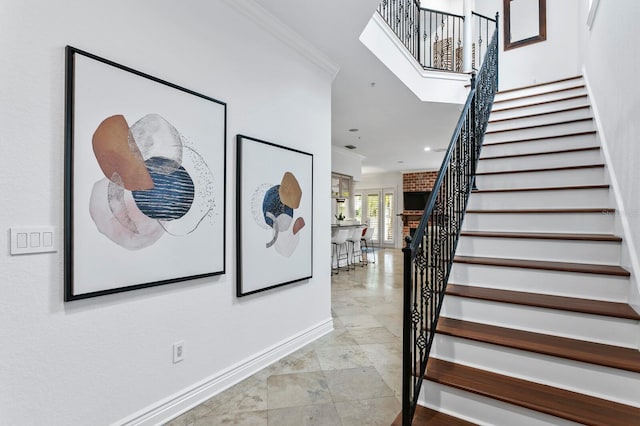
(144, 180)
(274, 199)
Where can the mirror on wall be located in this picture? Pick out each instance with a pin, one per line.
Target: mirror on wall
(525, 22)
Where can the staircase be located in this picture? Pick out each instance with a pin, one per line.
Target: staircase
(535, 328)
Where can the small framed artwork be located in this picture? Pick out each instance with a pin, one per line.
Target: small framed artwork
(275, 215)
(144, 180)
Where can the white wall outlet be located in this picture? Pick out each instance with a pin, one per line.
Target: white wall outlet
(38, 239)
(178, 351)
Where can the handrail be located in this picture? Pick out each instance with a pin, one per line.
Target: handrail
(485, 17)
(428, 256)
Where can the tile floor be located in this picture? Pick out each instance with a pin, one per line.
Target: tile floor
(350, 377)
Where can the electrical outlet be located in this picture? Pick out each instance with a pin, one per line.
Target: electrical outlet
(178, 351)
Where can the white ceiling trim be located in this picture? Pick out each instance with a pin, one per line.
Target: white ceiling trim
(258, 14)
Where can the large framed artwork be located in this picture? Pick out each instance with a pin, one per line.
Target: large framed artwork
(144, 180)
(274, 215)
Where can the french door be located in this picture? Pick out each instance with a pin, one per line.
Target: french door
(377, 209)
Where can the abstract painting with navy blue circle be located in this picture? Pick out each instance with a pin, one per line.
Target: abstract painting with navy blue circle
(275, 209)
(145, 180)
(154, 186)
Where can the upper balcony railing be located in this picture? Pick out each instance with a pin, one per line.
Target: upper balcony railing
(436, 39)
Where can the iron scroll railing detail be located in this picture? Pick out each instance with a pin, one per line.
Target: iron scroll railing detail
(402, 16)
(429, 255)
(435, 38)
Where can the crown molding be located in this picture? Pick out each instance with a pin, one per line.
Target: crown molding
(269, 22)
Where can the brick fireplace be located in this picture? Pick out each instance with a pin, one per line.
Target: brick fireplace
(414, 182)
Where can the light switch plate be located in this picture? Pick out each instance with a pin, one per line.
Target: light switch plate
(33, 239)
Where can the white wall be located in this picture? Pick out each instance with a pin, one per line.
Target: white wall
(556, 57)
(449, 6)
(612, 60)
(97, 361)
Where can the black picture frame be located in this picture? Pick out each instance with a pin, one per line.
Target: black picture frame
(274, 208)
(144, 204)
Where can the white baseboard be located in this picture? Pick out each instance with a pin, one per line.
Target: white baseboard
(181, 402)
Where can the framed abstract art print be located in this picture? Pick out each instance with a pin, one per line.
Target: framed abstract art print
(274, 215)
(144, 180)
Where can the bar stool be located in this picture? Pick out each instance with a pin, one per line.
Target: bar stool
(355, 244)
(367, 237)
(338, 241)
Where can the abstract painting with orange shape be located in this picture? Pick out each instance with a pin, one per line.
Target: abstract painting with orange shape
(145, 180)
(275, 204)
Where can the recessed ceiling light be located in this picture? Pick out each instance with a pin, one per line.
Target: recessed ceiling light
(427, 148)
(353, 130)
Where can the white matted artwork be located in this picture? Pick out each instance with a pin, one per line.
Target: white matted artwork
(274, 197)
(144, 180)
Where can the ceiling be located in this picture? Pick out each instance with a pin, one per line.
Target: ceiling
(394, 126)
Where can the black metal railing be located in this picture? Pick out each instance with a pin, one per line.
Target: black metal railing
(441, 36)
(482, 29)
(429, 254)
(434, 38)
(402, 16)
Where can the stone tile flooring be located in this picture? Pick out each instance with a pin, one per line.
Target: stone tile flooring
(350, 377)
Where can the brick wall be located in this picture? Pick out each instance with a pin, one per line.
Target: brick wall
(419, 181)
(414, 182)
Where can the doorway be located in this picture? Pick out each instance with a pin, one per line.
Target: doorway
(376, 208)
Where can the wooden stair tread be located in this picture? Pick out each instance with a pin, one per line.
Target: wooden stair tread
(557, 402)
(577, 350)
(427, 416)
(565, 135)
(566, 89)
(586, 306)
(538, 114)
(545, 211)
(532, 154)
(543, 236)
(549, 188)
(555, 123)
(548, 169)
(584, 268)
(569, 98)
(531, 86)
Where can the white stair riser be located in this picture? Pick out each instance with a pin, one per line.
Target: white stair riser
(540, 109)
(571, 284)
(541, 161)
(548, 178)
(539, 89)
(589, 379)
(574, 325)
(538, 120)
(574, 223)
(542, 145)
(539, 132)
(516, 100)
(578, 198)
(482, 410)
(597, 252)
